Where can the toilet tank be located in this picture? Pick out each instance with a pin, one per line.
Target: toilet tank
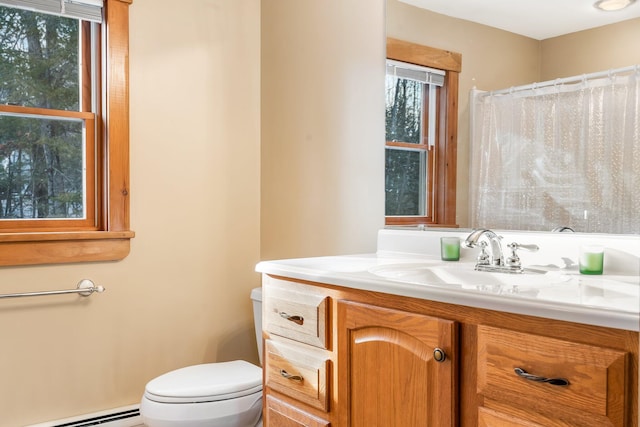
(256, 298)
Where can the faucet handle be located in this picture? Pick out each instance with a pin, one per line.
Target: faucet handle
(514, 259)
(515, 246)
(483, 256)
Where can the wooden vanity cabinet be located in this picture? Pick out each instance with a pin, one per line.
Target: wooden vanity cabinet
(341, 357)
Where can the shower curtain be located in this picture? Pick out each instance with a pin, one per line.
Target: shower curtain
(558, 154)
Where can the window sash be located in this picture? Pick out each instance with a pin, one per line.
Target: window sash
(88, 10)
(422, 204)
(90, 221)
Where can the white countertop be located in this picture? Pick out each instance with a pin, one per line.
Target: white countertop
(611, 300)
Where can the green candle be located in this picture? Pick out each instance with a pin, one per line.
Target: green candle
(591, 259)
(450, 248)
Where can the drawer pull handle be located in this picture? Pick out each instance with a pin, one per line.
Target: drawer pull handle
(298, 320)
(291, 377)
(527, 376)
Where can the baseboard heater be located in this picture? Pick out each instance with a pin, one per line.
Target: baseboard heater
(128, 416)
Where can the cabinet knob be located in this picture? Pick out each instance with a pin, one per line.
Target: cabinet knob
(439, 355)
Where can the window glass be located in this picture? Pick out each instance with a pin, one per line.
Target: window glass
(42, 150)
(405, 182)
(41, 165)
(39, 60)
(404, 102)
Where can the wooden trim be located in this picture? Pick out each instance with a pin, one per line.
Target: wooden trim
(445, 205)
(400, 50)
(116, 113)
(46, 112)
(87, 65)
(27, 252)
(64, 235)
(409, 145)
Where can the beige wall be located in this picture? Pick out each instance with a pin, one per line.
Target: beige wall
(182, 295)
(598, 49)
(496, 59)
(322, 127)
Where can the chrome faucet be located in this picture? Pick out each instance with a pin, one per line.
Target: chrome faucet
(496, 261)
(496, 258)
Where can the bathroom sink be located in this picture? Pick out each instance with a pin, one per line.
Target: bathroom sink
(464, 275)
(528, 278)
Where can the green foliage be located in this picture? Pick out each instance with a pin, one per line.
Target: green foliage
(41, 164)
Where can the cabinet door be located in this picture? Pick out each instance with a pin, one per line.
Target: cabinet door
(388, 373)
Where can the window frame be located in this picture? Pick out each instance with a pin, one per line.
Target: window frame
(110, 240)
(442, 159)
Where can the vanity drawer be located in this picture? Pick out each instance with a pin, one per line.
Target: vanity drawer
(594, 395)
(295, 311)
(279, 413)
(299, 372)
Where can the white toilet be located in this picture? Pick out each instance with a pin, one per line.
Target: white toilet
(225, 394)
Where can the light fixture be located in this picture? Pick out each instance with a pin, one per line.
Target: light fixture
(612, 5)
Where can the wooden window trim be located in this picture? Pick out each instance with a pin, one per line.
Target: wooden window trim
(111, 241)
(445, 162)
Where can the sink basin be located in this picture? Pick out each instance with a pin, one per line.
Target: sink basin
(421, 273)
(464, 275)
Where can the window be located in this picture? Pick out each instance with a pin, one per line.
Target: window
(421, 132)
(47, 121)
(64, 166)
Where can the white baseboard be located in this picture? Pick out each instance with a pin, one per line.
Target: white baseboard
(125, 416)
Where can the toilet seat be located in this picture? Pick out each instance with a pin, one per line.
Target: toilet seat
(208, 382)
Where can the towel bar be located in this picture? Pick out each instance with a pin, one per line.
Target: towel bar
(85, 288)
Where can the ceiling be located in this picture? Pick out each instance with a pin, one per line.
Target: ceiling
(538, 19)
